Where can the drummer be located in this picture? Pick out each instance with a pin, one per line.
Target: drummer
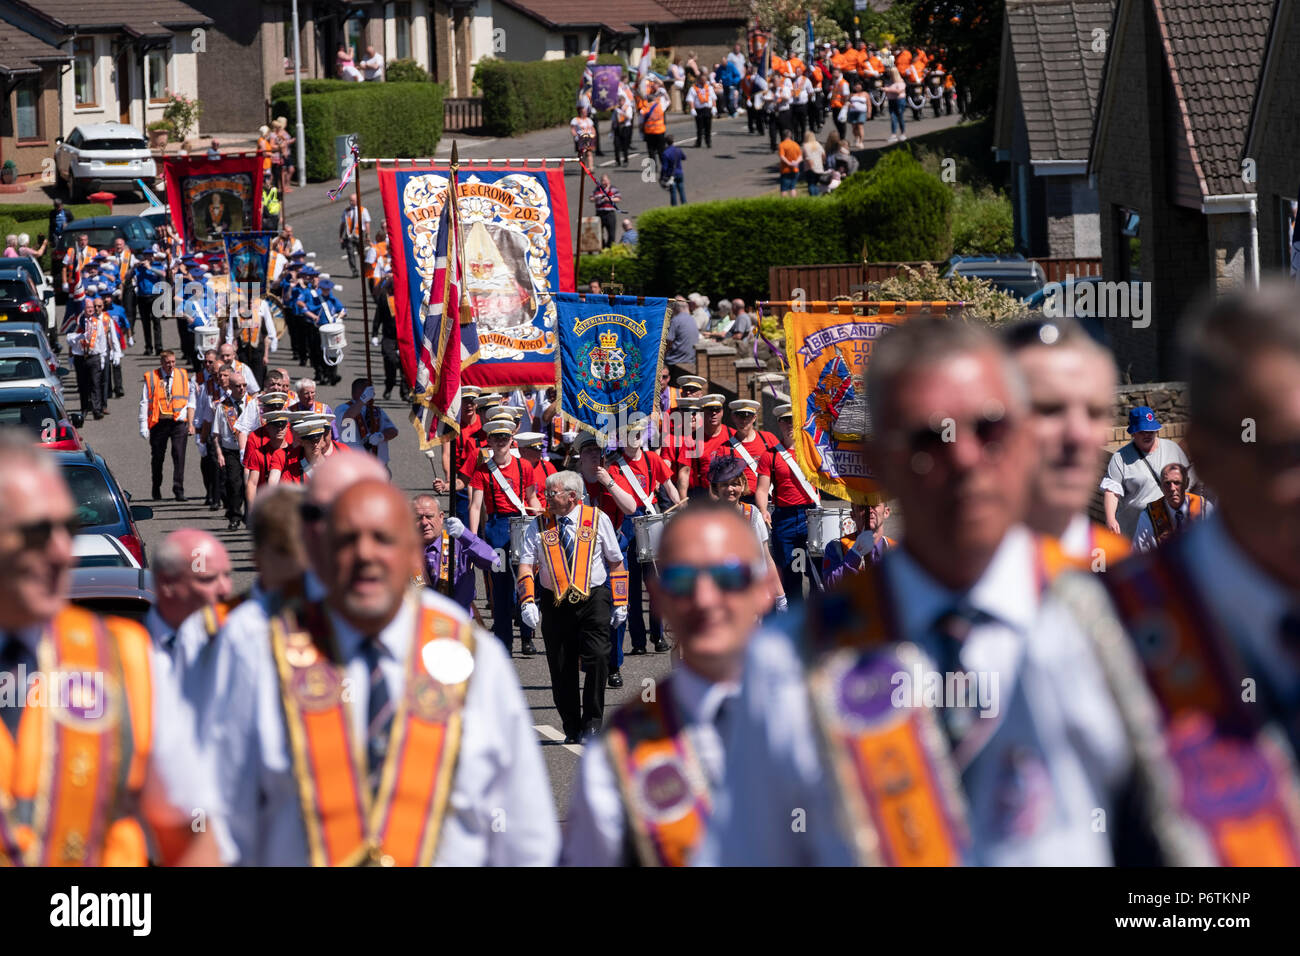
(688, 386)
(505, 487)
(466, 449)
(693, 474)
(783, 483)
(727, 483)
(750, 445)
(679, 443)
(531, 449)
(648, 478)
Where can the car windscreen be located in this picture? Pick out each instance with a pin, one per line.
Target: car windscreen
(20, 367)
(94, 499)
(101, 237)
(140, 229)
(102, 561)
(113, 144)
(13, 338)
(14, 290)
(133, 609)
(1020, 288)
(34, 416)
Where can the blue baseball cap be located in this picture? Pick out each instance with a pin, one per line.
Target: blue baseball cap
(309, 271)
(1142, 419)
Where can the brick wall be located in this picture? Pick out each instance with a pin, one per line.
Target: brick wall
(1167, 399)
(1229, 236)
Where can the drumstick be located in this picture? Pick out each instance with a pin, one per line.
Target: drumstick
(680, 502)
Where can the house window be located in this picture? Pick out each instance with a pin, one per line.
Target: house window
(352, 32)
(402, 24)
(27, 112)
(156, 65)
(1290, 240)
(83, 71)
(1128, 245)
(570, 44)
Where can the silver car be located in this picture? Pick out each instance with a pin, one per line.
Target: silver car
(108, 156)
(27, 368)
(29, 335)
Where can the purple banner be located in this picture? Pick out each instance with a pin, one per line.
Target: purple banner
(605, 80)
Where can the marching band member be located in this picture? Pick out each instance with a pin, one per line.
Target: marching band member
(140, 808)
(431, 758)
(1042, 753)
(466, 449)
(250, 427)
(579, 593)
(530, 446)
(505, 487)
(782, 482)
(727, 483)
(711, 579)
(316, 445)
(436, 535)
(268, 464)
(1071, 383)
(749, 444)
(1172, 513)
(693, 474)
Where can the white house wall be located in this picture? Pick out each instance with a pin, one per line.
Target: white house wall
(183, 78)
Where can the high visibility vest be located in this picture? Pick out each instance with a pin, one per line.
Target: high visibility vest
(89, 764)
(838, 98)
(161, 404)
(271, 201)
(264, 145)
(654, 118)
(381, 250)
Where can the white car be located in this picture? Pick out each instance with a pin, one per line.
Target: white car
(101, 551)
(27, 368)
(100, 156)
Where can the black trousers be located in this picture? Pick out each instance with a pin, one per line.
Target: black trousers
(232, 484)
(317, 355)
(654, 147)
(251, 355)
(392, 365)
(96, 371)
(622, 143)
(298, 327)
(799, 116)
(117, 381)
(577, 633)
(152, 324)
(608, 226)
(704, 128)
(187, 340)
(160, 435)
(754, 119)
(211, 476)
(82, 369)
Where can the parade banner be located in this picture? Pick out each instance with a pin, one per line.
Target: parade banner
(208, 198)
(828, 353)
(248, 255)
(516, 250)
(605, 80)
(610, 354)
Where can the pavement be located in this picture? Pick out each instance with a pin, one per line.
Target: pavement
(738, 165)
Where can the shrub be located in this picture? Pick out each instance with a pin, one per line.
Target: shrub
(368, 109)
(895, 212)
(981, 223)
(284, 90)
(983, 301)
(405, 71)
(182, 112)
(616, 264)
(518, 97)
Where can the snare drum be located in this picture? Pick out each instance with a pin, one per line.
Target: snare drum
(649, 529)
(518, 526)
(826, 525)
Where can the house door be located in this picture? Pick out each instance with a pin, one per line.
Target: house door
(123, 71)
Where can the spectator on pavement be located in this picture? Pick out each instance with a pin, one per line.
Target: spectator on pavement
(744, 324)
(791, 160)
(683, 333)
(630, 234)
(1132, 479)
(606, 198)
(814, 164)
(671, 174)
(373, 65)
(896, 93)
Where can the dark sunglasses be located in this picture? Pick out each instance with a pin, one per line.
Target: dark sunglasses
(931, 440)
(311, 513)
(679, 579)
(37, 534)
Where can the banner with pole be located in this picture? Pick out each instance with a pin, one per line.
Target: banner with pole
(828, 347)
(609, 358)
(210, 197)
(247, 257)
(516, 247)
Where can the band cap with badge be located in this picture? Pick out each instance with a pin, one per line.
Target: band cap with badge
(712, 400)
(695, 382)
(500, 426)
(745, 405)
(530, 439)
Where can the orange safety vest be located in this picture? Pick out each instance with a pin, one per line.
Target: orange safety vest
(346, 824)
(381, 250)
(838, 98)
(162, 405)
(903, 60)
(653, 117)
(665, 791)
(1160, 523)
(71, 780)
(265, 147)
(876, 63)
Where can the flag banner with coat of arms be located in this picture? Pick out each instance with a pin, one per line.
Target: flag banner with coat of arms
(828, 352)
(516, 252)
(609, 357)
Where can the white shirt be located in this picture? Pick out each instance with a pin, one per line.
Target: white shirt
(1128, 477)
(226, 433)
(373, 66)
(166, 384)
(701, 99)
(605, 553)
(1144, 539)
(499, 812)
(1055, 717)
(350, 220)
(250, 381)
(595, 832)
(267, 332)
(351, 434)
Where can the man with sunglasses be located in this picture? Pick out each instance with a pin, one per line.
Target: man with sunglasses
(100, 687)
(1024, 717)
(580, 592)
(1071, 382)
(315, 446)
(628, 806)
(693, 467)
(225, 445)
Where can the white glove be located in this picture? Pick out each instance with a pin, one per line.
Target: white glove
(454, 526)
(864, 543)
(376, 439)
(782, 603)
(530, 615)
(498, 564)
(620, 615)
(144, 433)
(131, 341)
(374, 342)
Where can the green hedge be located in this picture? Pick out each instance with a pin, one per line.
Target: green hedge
(518, 97)
(401, 120)
(614, 265)
(284, 90)
(896, 212)
(982, 223)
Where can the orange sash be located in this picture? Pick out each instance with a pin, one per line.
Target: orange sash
(664, 788)
(214, 615)
(346, 826)
(78, 765)
(1159, 515)
(572, 583)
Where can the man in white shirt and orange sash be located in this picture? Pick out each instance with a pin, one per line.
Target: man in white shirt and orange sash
(578, 595)
(646, 794)
(1171, 514)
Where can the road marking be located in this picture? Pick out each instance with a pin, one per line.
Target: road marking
(608, 162)
(550, 733)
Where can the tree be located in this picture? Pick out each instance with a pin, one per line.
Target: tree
(969, 35)
(787, 19)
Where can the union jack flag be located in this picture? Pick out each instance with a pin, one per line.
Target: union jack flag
(834, 389)
(438, 365)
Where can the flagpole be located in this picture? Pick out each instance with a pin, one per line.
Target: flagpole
(365, 291)
(455, 444)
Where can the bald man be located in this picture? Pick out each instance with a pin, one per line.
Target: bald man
(713, 576)
(107, 679)
(191, 571)
(475, 790)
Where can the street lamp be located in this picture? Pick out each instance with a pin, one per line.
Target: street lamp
(297, 98)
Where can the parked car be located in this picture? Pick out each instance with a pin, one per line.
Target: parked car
(120, 592)
(156, 216)
(27, 367)
(100, 231)
(102, 506)
(102, 156)
(29, 335)
(1094, 323)
(20, 298)
(101, 551)
(41, 412)
(1012, 274)
(11, 266)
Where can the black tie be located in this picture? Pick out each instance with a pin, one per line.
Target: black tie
(722, 716)
(952, 627)
(566, 539)
(1178, 517)
(17, 662)
(379, 713)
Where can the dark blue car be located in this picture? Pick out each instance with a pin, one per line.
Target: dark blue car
(102, 506)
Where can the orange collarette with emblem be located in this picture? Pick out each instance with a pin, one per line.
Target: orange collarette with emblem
(573, 584)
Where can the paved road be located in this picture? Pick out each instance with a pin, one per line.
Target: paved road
(738, 165)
